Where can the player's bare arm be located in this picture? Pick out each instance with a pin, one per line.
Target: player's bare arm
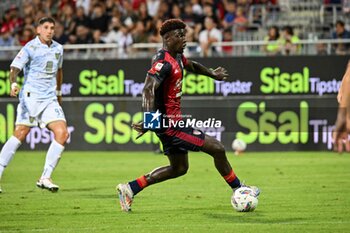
(148, 97)
(59, 79)
(151, 85)
(219, 73)
(13, 80)
(342, 124)
(346, 77)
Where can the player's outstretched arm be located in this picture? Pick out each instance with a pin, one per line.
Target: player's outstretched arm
(342, 124)
(59, 80)
(14, 71)
(346, 78)
(219, 73)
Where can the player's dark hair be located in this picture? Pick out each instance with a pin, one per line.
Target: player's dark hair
(45, 20)
(170, 25)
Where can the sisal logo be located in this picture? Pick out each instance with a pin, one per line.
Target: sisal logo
(276, 81)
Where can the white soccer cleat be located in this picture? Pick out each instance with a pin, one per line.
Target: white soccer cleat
(0, 190)
(47, 184)
(126, 196)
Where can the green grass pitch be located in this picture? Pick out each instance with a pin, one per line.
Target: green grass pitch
(301, 192)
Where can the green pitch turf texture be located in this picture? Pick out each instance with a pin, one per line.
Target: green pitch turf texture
(301, 192)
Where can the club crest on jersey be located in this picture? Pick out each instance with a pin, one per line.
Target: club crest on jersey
(158, 66)
(57, 55)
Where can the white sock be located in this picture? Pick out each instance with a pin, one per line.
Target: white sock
(7, 152)
(52, 157)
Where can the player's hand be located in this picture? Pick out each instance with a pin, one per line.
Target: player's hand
(59, 99)
(340, 134)
(220, 73)
(14, 91)
(139, 128)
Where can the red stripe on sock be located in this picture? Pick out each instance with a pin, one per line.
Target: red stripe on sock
(142, 181)
(230, 177)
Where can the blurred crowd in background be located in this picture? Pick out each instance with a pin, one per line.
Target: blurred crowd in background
(127, 22)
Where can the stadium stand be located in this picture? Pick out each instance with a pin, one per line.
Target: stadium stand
(132, 25)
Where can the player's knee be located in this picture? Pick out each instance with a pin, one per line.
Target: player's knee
(61, 135)
(21, 132)
(219, 148)
(180, 170)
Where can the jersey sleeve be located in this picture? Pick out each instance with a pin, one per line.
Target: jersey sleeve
(160, 70)
(21, 58)
(60, 62)
(184, 60)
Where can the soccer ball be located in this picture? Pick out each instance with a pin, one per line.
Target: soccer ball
(238, 145)
(244, 200)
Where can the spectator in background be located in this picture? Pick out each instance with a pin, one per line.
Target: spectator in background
(289, 41)
(346, 7)
(60, 36)
(16, 21)
(124, 41)
(139, 34)
(99, 19)
(6, 39)
(240, 22)
(129, 17)
(85, 4)
(208, 11)
(152, 7)
(113, 34)
(340, 33)
(51, 7)
(64, 3)
(144, 17)
(227, 37)
(109, 6)
(137, 3)
(83, 35)
(244, 4)
(176, 12)
(28, 21)
(81, 19)
(38, 15)
(191, 50)
(207, 37)
(197, 8)
(321, 49)
(27, 35)
(230, 14)
(96, 37)
(28, 9)
(163, 11)
(155, 36)
(67, 19)
(274, 44)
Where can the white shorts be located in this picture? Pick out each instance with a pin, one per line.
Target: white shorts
(51, 112)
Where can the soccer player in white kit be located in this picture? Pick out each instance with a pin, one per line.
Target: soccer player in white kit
(39, 98)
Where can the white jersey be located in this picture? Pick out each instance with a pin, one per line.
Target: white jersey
(40, 64)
